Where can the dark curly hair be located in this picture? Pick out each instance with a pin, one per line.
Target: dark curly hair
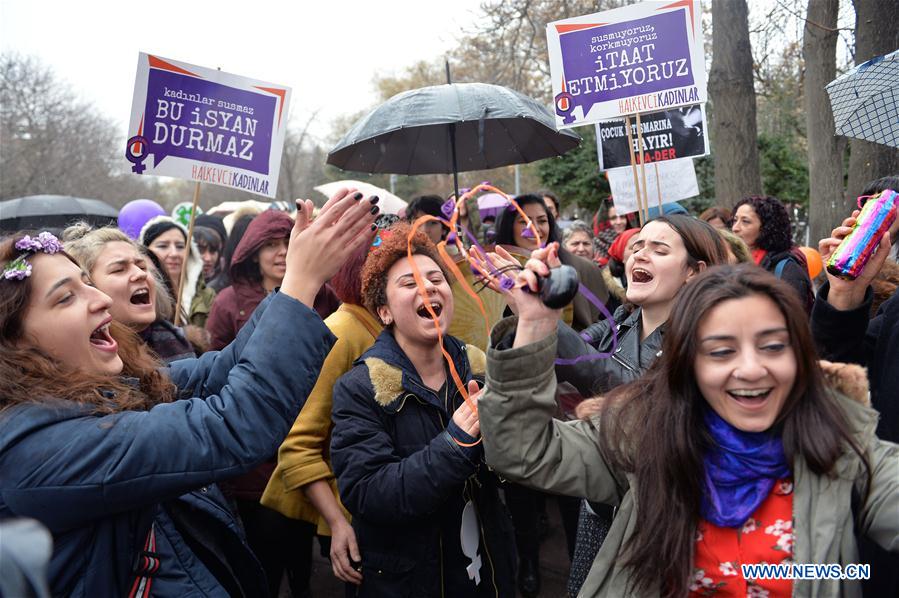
(775, 232)
(392, 249)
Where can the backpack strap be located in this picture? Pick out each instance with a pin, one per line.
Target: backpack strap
(146, 566)
(779, 268)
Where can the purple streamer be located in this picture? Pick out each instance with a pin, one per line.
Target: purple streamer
(448, 207)
(474, 241)
(507, 283)
(608, 316)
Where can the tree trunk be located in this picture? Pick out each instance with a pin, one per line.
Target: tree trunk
(827, 204)
(732, 95)
(876, 33)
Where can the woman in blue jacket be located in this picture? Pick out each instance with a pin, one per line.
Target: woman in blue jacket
(405, 445)
(117, 458)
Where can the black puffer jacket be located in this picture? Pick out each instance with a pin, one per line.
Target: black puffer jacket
(794, 272)
(850, 336)
(406, 482)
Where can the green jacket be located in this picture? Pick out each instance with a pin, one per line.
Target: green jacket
(201, 304)
(525, 444)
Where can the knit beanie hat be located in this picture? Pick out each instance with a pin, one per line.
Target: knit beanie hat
(157, 227)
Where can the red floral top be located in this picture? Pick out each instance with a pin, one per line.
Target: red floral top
(765, 538)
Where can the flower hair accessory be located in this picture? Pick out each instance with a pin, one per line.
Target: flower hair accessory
(381, 236)
(19, 268)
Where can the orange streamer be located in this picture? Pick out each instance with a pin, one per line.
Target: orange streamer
(451, 266)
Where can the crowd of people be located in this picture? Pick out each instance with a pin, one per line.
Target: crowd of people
(185, 416)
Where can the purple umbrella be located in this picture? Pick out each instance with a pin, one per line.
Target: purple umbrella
(491, 204)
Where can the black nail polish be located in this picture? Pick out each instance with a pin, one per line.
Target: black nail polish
(374, 210)
(357, 197)
(374, 227)
(374, 200)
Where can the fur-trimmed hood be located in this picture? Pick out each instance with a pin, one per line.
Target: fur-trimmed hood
(392, 374)
(406, 471)
(848, 379)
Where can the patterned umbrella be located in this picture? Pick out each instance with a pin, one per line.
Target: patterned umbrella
(865, 101)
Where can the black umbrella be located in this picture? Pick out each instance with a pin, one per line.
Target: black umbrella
(449, 129)
(53, 211)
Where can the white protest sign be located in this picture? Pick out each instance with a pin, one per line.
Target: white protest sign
(639, 58)
(676, 180)
(206, 125)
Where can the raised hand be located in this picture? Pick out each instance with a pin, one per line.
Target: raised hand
(319, 247)
(503, 264)
(849, 294)
(535, 320)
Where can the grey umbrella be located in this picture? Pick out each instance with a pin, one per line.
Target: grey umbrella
(451, 128)
(865, 100)
(53, 211)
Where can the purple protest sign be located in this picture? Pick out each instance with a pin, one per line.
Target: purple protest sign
(200, 120)
(626, 59)
(638, 58)
(206, 125)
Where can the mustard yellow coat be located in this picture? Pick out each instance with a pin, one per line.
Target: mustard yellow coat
(304, 456)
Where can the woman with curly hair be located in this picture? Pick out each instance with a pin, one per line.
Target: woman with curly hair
(405, 445)
(764, 225)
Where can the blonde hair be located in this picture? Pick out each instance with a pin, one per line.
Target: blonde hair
(85, 243)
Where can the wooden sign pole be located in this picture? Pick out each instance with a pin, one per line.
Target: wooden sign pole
(630, 145)
(190, 236)
(642, 165)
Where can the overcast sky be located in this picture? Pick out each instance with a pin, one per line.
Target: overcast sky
(326, 51)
